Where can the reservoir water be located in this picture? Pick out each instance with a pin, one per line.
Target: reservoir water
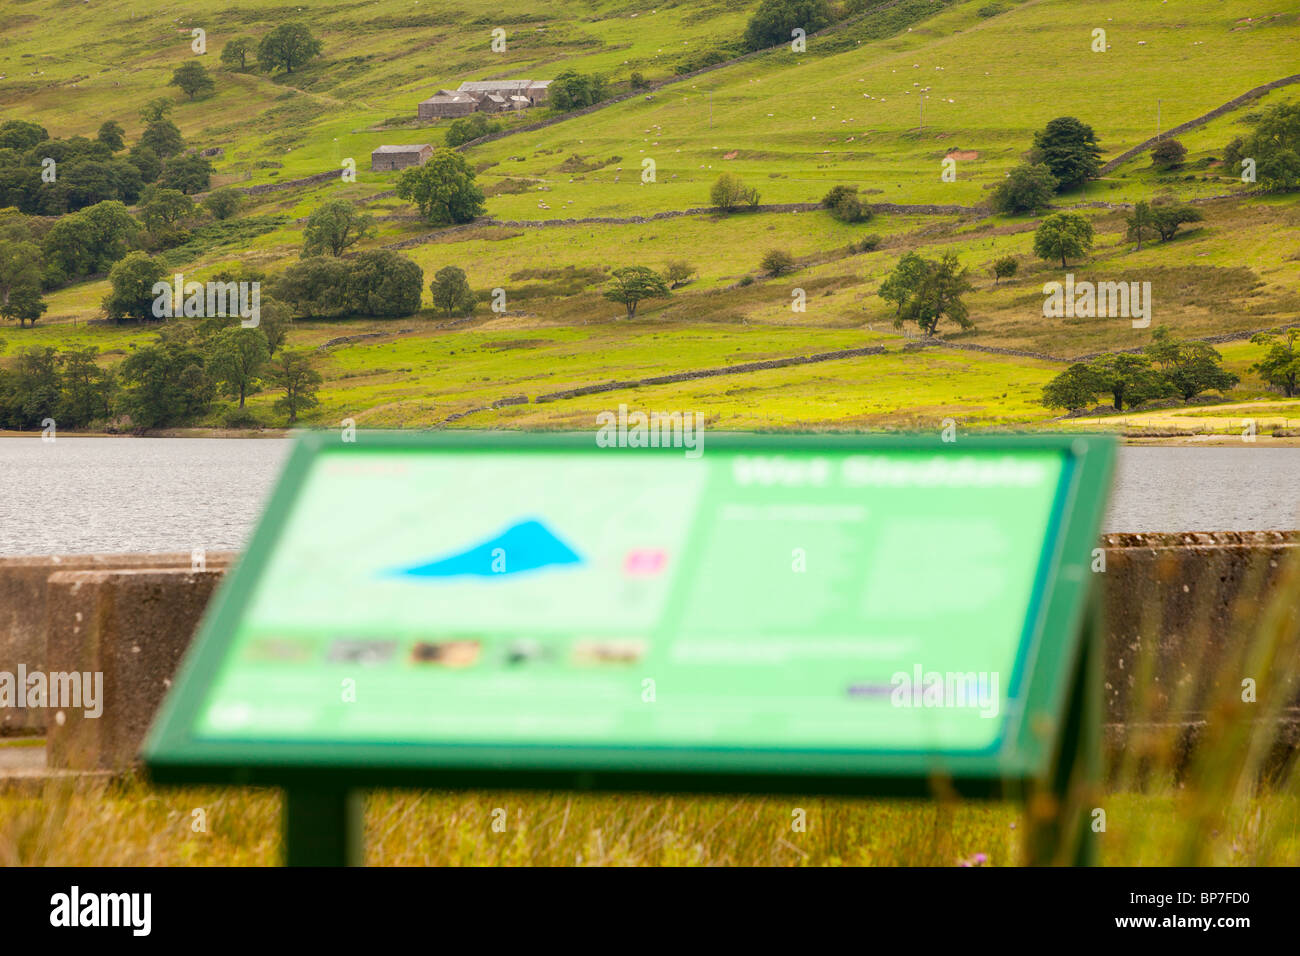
(78, 495)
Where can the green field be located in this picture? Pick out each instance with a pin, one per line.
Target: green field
(849, 110)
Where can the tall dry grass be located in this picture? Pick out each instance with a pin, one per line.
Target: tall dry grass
(1202, 778)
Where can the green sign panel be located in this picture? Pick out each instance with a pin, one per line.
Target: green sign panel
(781, 613)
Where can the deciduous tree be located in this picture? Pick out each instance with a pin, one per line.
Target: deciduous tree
(235, 357)
(20, 281)
(1280, 366)
(1063, 235)
(451, 291)
(235, 54)
(112, 135)
(937, 296)
(443, 188)
(1028, 188)
(133, 280)
(287, 46)
(193, 79)
(383, 283)
(292, 373)
(632, 285)
(333, 227)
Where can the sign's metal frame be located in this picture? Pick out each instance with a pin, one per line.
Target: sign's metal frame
(1048, 758)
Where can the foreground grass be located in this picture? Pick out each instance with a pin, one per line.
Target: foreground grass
(133, 824)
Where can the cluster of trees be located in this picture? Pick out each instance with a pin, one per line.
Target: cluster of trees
(21, 279)
(730, 193)
(70, 388)
(1064, 236)
(36, 256)
(75, 246)
(1167, 368)
(172, 381)
(628, 286)
(926, 291)
(50, 177)
(1160, 219)
(775, 20)
(470, 127)
(378, 283)
(288, 46)
(1274, 145)
(572, 90)
(1064, 156)
(106, 238)
(1069, 235)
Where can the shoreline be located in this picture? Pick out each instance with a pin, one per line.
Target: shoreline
(1188, 440)
(166, 433)
(1215, 439)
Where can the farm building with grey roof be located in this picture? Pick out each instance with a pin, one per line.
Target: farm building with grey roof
(387, 158)
(487, 96)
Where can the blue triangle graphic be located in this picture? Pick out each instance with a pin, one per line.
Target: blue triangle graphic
(524, 546)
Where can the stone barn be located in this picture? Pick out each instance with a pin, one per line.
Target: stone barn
(535, 92)
(388, 158)
(485, 96)
(447, 103)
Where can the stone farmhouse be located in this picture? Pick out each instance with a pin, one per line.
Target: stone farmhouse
(387, 158)
(485, 96)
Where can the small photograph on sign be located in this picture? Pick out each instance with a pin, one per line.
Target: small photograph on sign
(446, 653)
(523, 653)
(608, 652)
(362, 651)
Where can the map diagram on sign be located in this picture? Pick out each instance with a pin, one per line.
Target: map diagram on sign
(525, 546)
(619, 599)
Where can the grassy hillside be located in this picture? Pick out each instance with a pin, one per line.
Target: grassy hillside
(849, 110)
(381, 57)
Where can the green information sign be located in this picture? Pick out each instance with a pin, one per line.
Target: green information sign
(803, 613)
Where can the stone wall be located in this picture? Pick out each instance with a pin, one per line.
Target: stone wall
(132, 626)
(24, 586)
(1172, 605)
(1201, 120)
